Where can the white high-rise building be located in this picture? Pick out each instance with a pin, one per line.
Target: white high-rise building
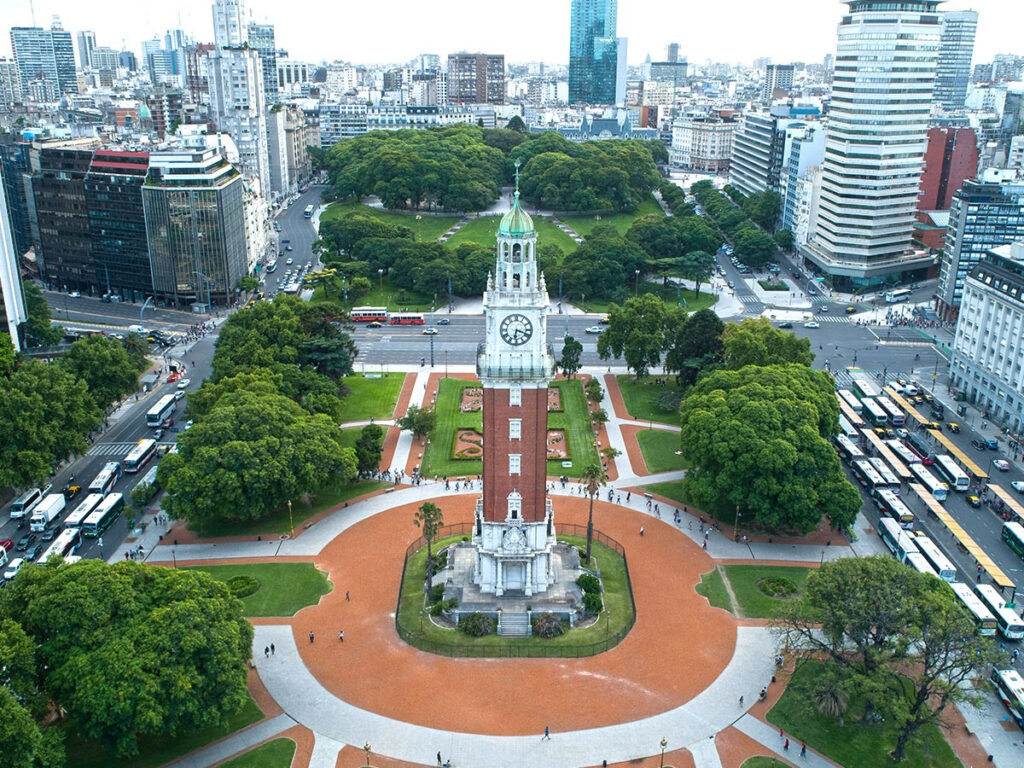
(956, 49)
(875, 143)
(236, 90)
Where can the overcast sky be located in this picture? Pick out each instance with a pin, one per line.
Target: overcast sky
(523, 30)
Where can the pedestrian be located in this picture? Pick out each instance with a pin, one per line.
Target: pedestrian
(439, 763)
(786, 745)
(348, 597)
(311, 637)
(641, 530)
(803, 749)
(705, 544)
(266, 651)
(272, 649)
(782, 733)
(341, 635)
(741, 701)
(547, 734)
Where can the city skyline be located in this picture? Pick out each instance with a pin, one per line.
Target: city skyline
(806, 32)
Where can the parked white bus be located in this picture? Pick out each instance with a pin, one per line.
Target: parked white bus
(1009, 624)
(936, 488)
(920, 563)
(64, 545)
(899, 542)
(83, 510)
(848, 450)
(982, 616)
(944, 568)
(106, 513)
(851, 400)
(950, 470)
(896, 416)
(901, 451)
(847, 429)
(1009, 687)
(891, 481)
(893, 507)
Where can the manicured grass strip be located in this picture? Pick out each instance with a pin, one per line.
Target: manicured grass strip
(83, 753)
(484, 229)
(412, 615)
(428, 227)
(584, 225)
(856, 743)
(371, 398)
(279, 522)
(713, 588)
(285, 588)
(274, 754)
(641, 398)
(753, 603)
(659, 448)
(384, 294)
(760, 761)
(573, 418)
(671, 490)
(684, 298)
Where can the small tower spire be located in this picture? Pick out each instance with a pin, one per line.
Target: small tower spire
(517, 179)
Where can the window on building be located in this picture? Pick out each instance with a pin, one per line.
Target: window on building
(515, 461)
(515, 429)
(515, 396)
(515, 505)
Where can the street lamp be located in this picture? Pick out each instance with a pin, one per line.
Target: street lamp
(419, 237)
(664, 743)
(637, 273)
(291, 521)
(380, 274)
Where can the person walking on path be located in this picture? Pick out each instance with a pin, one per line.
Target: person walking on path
(439, 763)
(310, 637)
(348, 597)
(786, 745)
(641, 530)
(803, 749)
(341, 635)
(266, 652)
(272, 649)
(547, 734)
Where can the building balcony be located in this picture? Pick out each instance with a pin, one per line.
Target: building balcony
(503, 367)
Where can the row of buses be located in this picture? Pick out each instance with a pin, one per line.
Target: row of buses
(382, 315)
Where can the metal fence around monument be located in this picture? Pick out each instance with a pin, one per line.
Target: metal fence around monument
(513, 648)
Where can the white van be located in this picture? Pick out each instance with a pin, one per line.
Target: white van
(24, 504)
(13, 567)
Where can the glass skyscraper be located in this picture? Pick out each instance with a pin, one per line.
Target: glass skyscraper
(956, 48)
(593, 52)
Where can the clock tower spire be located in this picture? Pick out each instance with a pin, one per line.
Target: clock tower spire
(514, 525)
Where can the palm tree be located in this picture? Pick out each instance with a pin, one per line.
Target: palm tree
(430, 519)
(831, 700)
(593, 478)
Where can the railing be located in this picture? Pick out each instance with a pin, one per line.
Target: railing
(513, 649)
(486, 367)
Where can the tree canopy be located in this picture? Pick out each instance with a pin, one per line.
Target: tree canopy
(639, 331)
(39, 328)
(743, 220)
(755, 341)
(105, 366)
(129, 650)
(756, 439)
(694, 346)
(605, 265)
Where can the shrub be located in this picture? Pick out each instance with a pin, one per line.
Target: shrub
(771, 285)
(243, 586)
(477, 625)
(588, 582)
(548, 625)
(593, 390)
(436, 593)
(776, 586)
(592, 602)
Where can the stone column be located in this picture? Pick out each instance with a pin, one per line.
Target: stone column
(530, 565)
(499, 577)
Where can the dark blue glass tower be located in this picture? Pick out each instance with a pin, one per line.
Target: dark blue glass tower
(593, 52)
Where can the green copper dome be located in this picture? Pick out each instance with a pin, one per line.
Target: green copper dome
(516, 223)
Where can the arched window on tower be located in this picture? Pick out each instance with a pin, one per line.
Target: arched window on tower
(517, 253)
(515, 506)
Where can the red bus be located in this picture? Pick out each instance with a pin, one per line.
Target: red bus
(407, 318)
(368, 314)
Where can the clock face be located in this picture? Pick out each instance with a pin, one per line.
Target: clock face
(516, 330)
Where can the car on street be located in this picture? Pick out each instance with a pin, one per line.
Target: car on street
(786, 324)
(953, 427)
(901, 433)
(183, 384)
(290, 259)
(430, 331)
(33, 552)
(70, 490)
(158, 434)
(978, 444)
(973, 500)
(75, 295)
(823, 308)
(178, 395)
(1002, 465)
(596, 330)
(444, 321)
(1018, 486)
(288, 248)
(850, 310)
(375, 324)
(937, 426)
(13, 567)
(25, 542)
(992, 444)
(50, 533)
(7, 545)
(812, 324)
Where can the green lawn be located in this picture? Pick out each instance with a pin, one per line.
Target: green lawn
(428, 228)
(278, 522)
(274, 754)
(484, 230)
(671, 490)
(640, 398)
(153, 751)
(753, 603)
(855, 745)
(659, 449)
(384, 294)
(713, 588)
(411, 613)
(285, 588)
(684, 298)
(573, 418)
(371, 398)
(584, 225)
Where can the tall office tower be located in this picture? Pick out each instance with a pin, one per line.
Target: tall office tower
(593, 54)
(45, 59)
(261, 37)
(10, 286)
(9, 88)
(673, 52)
(476, 78)
(86, 43)
(195, 225)
(956, 47)
(237, 103)
(877, 134)
(127, 60)
(15, 165)
(777, 77)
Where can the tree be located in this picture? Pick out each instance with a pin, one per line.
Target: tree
(755, 341)
(784, 239)
(610, 453)
(572, 352)
(592, 477)
(763, 208)
(753, 247)
(895, 636)
(129, 651)
(7, 356)
(593, 390)
(516, 124)
(429, 519)
(359, 288)
(22, 743)
(756, 440)
(105, 366)
(39, 329)
(249, 454)
(248, 283)
(332, 357)
(695, 345)
(324, 278)
(419, 421)
(697, 266)
(368, 448)
(638, 332)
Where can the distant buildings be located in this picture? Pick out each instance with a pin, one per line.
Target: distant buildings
(45, 60)
(594, 56)
(777, 78)
(261, 37)
(702, 143)
(953, 68)
(476, 78)
(988, 345)
(872, 166)
(340, 121)
(86, 44)
(951, 159)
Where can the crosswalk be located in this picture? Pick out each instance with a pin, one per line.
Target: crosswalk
(110, 449)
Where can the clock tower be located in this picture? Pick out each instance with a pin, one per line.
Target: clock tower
(514, 522)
